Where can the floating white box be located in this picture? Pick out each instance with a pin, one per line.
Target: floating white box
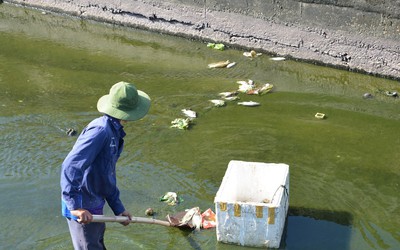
(251, 204)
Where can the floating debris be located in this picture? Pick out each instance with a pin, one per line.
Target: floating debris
(149, 211)
(368, 96)
(320, 115)
(249, 82)
(251, 54)
(251, 88)
(71, 132)
(231, 98)
(392, 94)
(278, 58)
(217, 46)
(218, 103)
(249, 104)
(244, 86)
(171, 198)
(181, 123)
(231, 65)
(221, 64)
(189, 113)
(228, 94)
(260, 90)
(209, 219)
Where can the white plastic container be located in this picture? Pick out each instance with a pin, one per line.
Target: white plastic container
(251, 204)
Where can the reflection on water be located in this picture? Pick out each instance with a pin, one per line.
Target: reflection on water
(344, 169)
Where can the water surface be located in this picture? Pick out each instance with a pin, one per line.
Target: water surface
(344, 170)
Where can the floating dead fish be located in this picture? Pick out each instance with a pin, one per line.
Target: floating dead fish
(218, 103)
(249, 104)
(392, 94)
(231, 98)
(278, 58)
(228, 94)
(249, 82)
(245, 88)
(251, 54)
(189, 113)
(221, 64)
(231, 65)
(368, 96)
(265, 89)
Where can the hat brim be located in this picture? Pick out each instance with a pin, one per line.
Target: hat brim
(141, 109)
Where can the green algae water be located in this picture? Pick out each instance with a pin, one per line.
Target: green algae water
(344, 170)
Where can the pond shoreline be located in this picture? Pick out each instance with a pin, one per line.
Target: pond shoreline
(357, 48)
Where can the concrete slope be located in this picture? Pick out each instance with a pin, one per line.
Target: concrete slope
(356, 35)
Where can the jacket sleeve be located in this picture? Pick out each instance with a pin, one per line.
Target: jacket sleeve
(115, 202)
(85, 150)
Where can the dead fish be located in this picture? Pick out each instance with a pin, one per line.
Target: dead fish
(249, 104)
(278, 58)
(193, 217)
(251, 54)
(249, 82)
(189, 113)
(231, 98)
(231, 65)
(228, 94)
(392, 94)
(367, 95)
(265, 88)
(218, 103)
(221, 64)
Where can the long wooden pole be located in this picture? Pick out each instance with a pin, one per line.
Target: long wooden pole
(103, 218)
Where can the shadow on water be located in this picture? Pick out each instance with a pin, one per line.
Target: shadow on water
(308, 228)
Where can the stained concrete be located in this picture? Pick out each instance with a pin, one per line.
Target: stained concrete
(356, 35)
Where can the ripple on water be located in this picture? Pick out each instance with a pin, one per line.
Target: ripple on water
(32, 146)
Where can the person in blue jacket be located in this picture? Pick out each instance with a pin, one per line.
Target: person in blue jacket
(88, 178)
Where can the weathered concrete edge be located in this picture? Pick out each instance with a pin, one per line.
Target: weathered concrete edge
(370, 55)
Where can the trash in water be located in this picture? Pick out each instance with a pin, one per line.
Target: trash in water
(320, 115)
(189, 113)
(149, 211)
(171, 198)
(251, 54)
(190, 218)
(71, 132)
(217, 46)
(209, 220)
(181, 123)
(251, 88)
(392, 94)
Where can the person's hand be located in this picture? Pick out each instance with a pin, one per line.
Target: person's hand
(127, 214)
(84, 216)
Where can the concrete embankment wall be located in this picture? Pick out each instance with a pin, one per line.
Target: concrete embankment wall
(358, 35)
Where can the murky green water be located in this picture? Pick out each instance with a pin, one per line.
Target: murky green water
(344, 170)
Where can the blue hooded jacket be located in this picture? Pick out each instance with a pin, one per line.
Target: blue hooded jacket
(88, 172)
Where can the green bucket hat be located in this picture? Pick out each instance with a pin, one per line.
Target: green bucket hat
(124, 102)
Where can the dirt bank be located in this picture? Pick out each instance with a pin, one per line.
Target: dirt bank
(343, 37)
